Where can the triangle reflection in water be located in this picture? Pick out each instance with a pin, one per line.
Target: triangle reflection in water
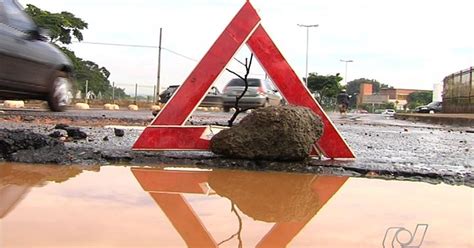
(288, 200)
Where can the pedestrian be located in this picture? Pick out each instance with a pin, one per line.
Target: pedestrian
(343, 102)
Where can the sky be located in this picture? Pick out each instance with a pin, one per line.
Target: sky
(406, 43)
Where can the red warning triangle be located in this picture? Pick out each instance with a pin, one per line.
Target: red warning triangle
(167, 189)
(168, 132)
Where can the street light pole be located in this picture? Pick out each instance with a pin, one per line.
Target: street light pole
(307, 45)
(346, 61)
(158, 77)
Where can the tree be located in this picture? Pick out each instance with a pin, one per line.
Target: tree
(85, 70)
(353, 87)
(372, 108)
(63, 27)
(419, 98)
(326, 88)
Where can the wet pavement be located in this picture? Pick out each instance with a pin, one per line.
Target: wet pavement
(93, 117)
(460, 119)
(384, 147)
(119, 206)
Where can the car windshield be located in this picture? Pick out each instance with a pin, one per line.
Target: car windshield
(240, 82)
(433, 104)
(172, 88)
(16, 17)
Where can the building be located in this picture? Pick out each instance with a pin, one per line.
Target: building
(399, 97)
(366, 90)
(376, 99)
(458, 92)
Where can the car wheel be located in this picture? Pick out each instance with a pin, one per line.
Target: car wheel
(226, 109)
(59, 93)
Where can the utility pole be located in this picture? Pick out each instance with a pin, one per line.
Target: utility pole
(159, 69)
(307, 45)
(87, 90)
(113, 92)
(136, 93)
(346, 61)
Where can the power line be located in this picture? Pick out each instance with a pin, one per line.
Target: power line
(179, 54)
(144, 46)
(136, 46)
(115, 44)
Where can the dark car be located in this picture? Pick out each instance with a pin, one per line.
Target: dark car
(260, 93)
(166, 95)
(433, 107)
(212, 99)
(30, 66)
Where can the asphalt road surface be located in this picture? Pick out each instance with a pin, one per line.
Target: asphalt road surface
(381, 144)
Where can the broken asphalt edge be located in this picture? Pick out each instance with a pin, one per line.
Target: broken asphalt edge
(465, 120)
(207, 160)
(88, 156)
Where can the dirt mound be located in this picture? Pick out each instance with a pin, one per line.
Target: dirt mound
(280, 133)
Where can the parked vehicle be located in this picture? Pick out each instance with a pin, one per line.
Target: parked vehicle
(362, 111)
(212, 99)
(166, 94)
(260, 93)
(31, 67)
(389, 112)
(433, 107)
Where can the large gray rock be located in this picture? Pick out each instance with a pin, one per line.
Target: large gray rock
(282, 133)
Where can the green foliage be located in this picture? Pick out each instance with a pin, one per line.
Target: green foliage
(325, 86)
(367, 107)
(85, 70)
(372, 108)
(353, 87)
(62, 26)
(416, 99)
(388, 105)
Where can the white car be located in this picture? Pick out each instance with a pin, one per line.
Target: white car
(389, 112)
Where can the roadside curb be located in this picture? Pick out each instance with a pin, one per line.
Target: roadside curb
(444, 119)
(10, 104)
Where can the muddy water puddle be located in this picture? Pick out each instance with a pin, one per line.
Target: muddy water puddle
(112, 206)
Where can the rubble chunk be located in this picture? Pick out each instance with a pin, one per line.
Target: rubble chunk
(280, 133)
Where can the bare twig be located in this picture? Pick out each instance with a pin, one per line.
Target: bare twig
(235, 73)
(238, 110)
(239, 231)
(240, 62)
(234, 116)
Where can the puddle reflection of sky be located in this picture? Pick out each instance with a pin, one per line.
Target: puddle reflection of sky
(132, 209)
